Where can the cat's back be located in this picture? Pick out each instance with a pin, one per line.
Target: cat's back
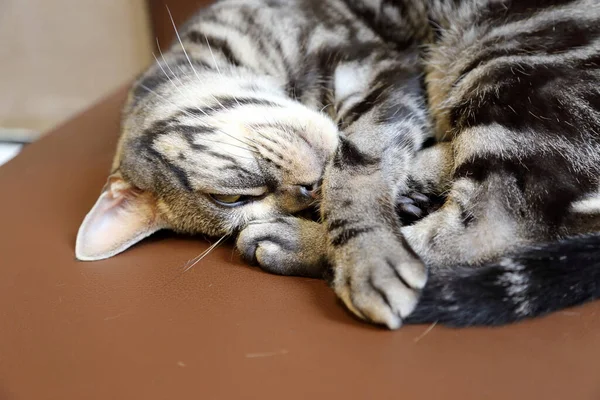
(510, 47)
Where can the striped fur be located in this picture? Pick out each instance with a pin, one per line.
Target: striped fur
(492, 104)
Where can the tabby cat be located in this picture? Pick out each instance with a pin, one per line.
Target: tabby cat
(368, 110)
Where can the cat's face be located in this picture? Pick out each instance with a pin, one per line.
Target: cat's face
(207, 155)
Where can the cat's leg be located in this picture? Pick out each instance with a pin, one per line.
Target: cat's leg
(497, 206)
(507, 192)
(375, 272)
(478, 220)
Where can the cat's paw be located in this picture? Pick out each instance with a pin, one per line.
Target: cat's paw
(285, 246)
(379, 279)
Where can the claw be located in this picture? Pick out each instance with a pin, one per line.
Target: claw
(404, 200)
(419, 197)
(415, 205)
(411, 209)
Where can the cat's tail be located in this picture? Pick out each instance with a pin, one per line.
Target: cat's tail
(530, 283)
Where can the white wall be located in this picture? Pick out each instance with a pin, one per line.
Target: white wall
(59, 56)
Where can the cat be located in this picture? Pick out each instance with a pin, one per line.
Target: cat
(367, 110)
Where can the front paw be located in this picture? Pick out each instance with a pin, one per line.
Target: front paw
(379, 279)
(285, 246)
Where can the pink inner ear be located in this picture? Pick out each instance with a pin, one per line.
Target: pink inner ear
(122, 216)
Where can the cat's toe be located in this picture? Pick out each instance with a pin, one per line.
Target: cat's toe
(420, 198)
(249, 240)
(410, 210)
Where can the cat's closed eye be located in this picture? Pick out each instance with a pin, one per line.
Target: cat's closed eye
(231, 200)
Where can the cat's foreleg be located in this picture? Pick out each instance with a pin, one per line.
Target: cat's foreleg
(375, 272)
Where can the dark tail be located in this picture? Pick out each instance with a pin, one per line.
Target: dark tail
(536, 281)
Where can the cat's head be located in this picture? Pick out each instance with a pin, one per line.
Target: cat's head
(206, 154)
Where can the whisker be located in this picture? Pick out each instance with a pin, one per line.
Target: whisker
(324, 107)
(161, 68)
(181, 43)
(179, 80)
(176, 77)
(167, 75)
(217, 66)
(199, 257)
(165, 61)
(212, 55)
(185, 51)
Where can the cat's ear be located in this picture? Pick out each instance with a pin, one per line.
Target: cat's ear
(122, 216)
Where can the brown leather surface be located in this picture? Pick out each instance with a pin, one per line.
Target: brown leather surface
(180, 10)
(137, 327)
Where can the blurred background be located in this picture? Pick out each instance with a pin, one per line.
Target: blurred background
(59, 57)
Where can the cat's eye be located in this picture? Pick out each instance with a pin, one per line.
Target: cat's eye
(228, 199)
(232, 200)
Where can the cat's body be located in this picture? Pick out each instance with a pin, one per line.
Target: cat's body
(264, 103)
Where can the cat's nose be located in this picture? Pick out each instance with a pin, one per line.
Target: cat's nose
(309, 191)
(294, 198)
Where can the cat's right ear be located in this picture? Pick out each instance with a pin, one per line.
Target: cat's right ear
(122, 216)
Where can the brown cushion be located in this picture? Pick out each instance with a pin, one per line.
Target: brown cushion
(137, 326)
